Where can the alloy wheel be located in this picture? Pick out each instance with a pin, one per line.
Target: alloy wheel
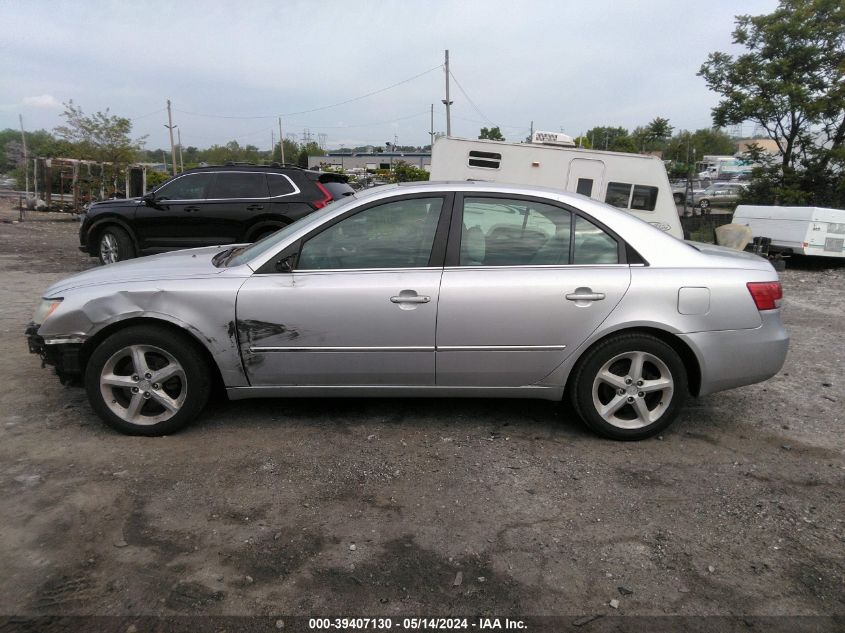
(633, 390)
(108, 248)
(143, 384)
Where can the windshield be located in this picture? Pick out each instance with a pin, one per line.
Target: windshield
(245, 254)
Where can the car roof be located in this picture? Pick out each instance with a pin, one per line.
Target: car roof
(248, 167)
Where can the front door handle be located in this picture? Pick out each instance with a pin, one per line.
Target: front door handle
(189, 209)
(410, 299)
(255, 207)
(585, 294)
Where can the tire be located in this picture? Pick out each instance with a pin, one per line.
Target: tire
(114, 245)
(120, 379)
(262, 233)
(644, 408)
(704, 205)
(679, 198)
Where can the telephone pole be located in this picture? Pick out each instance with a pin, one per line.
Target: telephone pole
(170, 127)
(181, 162)
(446, 100)
(281, 141)
(25, 156)
(431, 132)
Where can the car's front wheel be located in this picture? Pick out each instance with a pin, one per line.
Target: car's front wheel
(114, 245)
(629, 387)
(704, 205)
(145, 380)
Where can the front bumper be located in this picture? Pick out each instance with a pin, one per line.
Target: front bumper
(733, 358)
(63, 357)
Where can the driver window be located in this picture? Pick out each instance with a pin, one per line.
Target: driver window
(190, 187)
(399, 234)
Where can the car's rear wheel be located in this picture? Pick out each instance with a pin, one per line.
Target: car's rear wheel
(629, 387)
(114, 245)
(145, 380)
(679, 198)
(704, 205)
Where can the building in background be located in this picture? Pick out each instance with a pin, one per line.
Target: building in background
(361, 162)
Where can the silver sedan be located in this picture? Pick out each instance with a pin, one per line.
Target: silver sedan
(434, 289)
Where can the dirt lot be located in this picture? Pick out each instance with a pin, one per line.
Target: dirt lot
(351, 507)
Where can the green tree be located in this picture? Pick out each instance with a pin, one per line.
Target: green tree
(101, 136)
(405, 172)
(615, 139)
(493, 134)
(708, 141)
(789, 80)
(659, 132)
(302, 159)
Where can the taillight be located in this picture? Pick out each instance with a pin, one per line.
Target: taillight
(319, 204)
(766, 294)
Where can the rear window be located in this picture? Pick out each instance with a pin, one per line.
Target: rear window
(279, 185)
(489, 160)
(338, 189)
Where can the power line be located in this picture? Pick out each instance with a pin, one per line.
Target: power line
(142, 116)
(471, 102)
(318, 109)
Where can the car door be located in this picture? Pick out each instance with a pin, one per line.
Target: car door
(525, 283)
(168, 222)
(235, 198)
(359, 307)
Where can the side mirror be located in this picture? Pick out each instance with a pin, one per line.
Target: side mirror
(149, 199)
(285, 265)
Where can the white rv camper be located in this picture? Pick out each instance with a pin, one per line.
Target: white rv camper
(632, 182)
(798, 230)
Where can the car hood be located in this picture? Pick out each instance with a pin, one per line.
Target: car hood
(114, 202)
(187, 264)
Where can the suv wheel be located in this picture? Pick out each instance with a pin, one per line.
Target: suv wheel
(114, 245)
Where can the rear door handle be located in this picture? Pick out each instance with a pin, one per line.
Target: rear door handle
(255, 207)
(189, 209)
(410, 299)
(585, 294)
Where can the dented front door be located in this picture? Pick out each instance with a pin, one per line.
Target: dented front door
(340, 327)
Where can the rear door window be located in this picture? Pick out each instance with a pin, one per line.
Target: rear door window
(338, 189)
(593, 245)
(239, 185)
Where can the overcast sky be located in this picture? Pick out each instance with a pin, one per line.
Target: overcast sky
(565, 64)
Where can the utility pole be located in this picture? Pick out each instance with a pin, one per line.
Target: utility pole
(531, 134)
(25, 156)
(272, 144)
(181, 162)
(281, 141)
(164, 156)
(431, 130)
(170, 127)
(446, 100)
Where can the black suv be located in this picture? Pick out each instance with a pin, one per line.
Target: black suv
(228, 204)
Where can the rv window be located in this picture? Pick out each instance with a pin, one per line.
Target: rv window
(618, 194)
(585, 187)
(489, 160)
(833, 227)
(644, 198)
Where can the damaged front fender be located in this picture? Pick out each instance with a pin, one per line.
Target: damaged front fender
(204, 308)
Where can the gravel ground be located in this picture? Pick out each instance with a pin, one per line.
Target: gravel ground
(420, 507)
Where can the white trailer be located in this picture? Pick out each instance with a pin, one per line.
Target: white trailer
(632, 182)
(798, 230)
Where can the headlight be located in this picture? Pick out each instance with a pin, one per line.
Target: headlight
(45, 309)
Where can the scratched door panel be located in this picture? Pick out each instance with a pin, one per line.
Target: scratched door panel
(339, 327)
